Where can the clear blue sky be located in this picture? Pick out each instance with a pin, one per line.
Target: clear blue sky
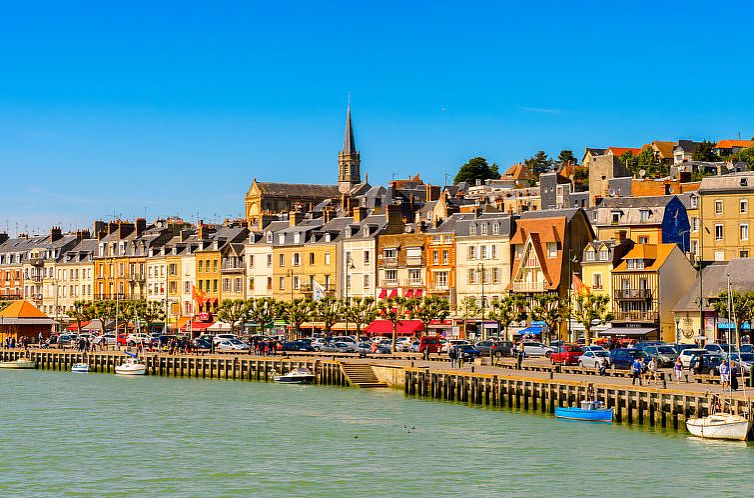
(171, 108)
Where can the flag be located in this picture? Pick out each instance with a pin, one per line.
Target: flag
(579, 287)
(319, 291)
(198, 295)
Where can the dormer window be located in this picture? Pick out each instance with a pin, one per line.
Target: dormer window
(327, 237)
(590, 255)
(630, 264)
(496, 229)
(644, 215)
(604, 255)
(744, 182)
(297, 238)
(366, 231)
(484, 228)
(269, 237)
(281, 238)
(472, 229)
(694, 201)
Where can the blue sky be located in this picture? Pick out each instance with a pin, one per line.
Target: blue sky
(172, 108)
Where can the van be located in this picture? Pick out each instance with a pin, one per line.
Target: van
(430, 342)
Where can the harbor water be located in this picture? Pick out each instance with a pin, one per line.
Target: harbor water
(103, 435)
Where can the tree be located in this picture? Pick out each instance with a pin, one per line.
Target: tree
(233, 312)
(469, 309)
(394, 310)
(509, 309)
(147, 311)
(297, 312)
(591, 309)
(81, 311)
(360, 311)
(746, 155)
(742, 304)
(705, 151)
(105, 312)
(550, 309)
(539, 163)
(262, 311)
(649, 160)
(567, 155)
(476, 169)
(428, 309)
(631, 162)
(4, 304)
(327, 310)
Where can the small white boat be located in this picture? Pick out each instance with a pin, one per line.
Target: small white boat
(19, 363)
(297, 376)
(80, 367)
(131, 366)
(720, 426)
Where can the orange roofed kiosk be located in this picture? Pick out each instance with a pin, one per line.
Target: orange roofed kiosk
(23, 319)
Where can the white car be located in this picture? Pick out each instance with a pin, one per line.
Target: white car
(345, 338)
(687, 354)
(232, 345)
(224, 337)
(593, 359)
(108, 338)
(134, 339)
(532, 348)
(452, 343)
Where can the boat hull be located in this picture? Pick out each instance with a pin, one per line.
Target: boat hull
(18, 364)
(80, 367)
(603, 415)
(132, 370)
(732, 427)
(295, 380)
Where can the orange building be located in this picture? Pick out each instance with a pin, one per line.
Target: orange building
(440, 253)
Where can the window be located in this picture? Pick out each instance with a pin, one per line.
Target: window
(552, 249)
(269, 261)
(718, 206)
(495, 229)
(367, 257)
(269, 237)
(695, 246)
(644, 215)
(718, 232)
(441, 279)
(719, 255)
(269, 283)
(390, 253)
(327, 259)
(630, 264)
(446, 257)
(495, 275)
(251, 284)
(643, 240)
(311, 258)
(297, 238)
(296, 259)
(694, 224)
(251, 261)
(281, 283)
(435, 257)
(744, 206)
(296, 282)
(472, 252)
(590, 255)
(616, 218)
(743, 231)
(226, 285)
(483, 228)
(237, 285)
(597, 280)
(743, 254)
(482, 252)
(472, 229)
(214, 285)
(414, 276)
(694, 201)
(391, 275)
(281, 238)
(604, 254)
(366, 281)
(414, 252)
(281, 260)
(200, 286)
(639, 264)
(493, 250)
(473, 276)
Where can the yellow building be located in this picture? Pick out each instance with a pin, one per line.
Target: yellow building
(726, 216)
(208, 275)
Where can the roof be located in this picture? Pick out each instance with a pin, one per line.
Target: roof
(664, 148)
(541, 231)
(459, 223)
(518, 171)
(299, 190)
(636, 202)
(737, 182)
(619, 151)
(715, 281)
(729, 144)
(594, 151)
(22, 309)
(656, 253)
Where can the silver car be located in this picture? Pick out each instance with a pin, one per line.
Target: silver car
(593, 359)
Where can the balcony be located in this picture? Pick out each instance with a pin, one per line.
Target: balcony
(636, 316)
(137, 277)
(35, 278)
(234, 269)
(529, 286)
(36, 261)
(412, 282)
(414, 261)
(635, 294)
(389, 261)
(390, 283)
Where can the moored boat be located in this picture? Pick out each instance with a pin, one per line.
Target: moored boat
(131, 366)
(80, 367)
(590, 411)
(720, 426)
(296, 376)
(19, 363)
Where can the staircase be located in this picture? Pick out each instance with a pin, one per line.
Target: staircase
(361, 375)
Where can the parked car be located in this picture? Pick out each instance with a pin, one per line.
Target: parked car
(593, 358)
(747, 348)
(296, 346)
(339, 347)
(645, 344)
(624, 357)
(744, 360)
(710, 363)
(502, 348)
(466, 351)
(532, 348)
(67, 340)
(134, 339)
(688, 354)
(555, 344)
(366, 348)
(681, 347)
(223, 337)
(431, 342)
(451, 343)
(162, 340)
(345, 338)
(200, 343)
(109, 339)
(664, 354)
(566, 354)
(232, 345)
(483, 346)
(592, 348)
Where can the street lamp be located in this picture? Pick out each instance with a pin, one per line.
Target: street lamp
(572, 258)
(349, 266)
(481, 271)
(677, 329)
(290, 274)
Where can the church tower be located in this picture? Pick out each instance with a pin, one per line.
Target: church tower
(349, 161)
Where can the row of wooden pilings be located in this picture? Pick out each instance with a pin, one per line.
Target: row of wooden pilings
(656, 407)
(207, 367)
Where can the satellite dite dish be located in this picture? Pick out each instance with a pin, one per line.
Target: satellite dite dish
(642, 173)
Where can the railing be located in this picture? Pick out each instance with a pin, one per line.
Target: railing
(529, 286)
(633, 294)
(389, 261)
(137, 277)
(640, 316)
(390, 283)
(35, 278)
(108, 297)
(36, 261)
(413, 282)
(235, 269)
(440, 287)
(414, 261)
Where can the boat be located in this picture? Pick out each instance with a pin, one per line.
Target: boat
(590, 411)
(19, 363)
(720, 426)
(132, 366)
(80, 367)
(296, 376)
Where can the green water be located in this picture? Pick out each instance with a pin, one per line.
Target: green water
(102, 435)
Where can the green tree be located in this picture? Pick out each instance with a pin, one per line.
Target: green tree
(297, 312)
(328, 311)
(263, 311)
(539, 163)
(567, 155)
(742, 304)
(591, 309)
(476, 169)
(746, 155)
(508, 309)
(105, 312)
(360, 311)
(469, 308)
(649, 161)
(550, 309)
(631, 162)
(394, 310)
(233, 312)
(428, 309)
(148, 312)
(80, 311)
(705, 151)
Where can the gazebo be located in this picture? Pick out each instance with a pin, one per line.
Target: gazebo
(23, 319)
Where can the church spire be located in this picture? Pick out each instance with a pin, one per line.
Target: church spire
(349, 161)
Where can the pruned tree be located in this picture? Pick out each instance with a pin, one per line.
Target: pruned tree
(81, 311)
(105, 312)
(148, 312)
(233, 312)
(469, 308)
(360, 311)
(297, 312)
(327, 310)
(263, 311)
(394, 310)
(550, 309)
(591, 310)
(742, 306)
(508, 309)
(428, 309)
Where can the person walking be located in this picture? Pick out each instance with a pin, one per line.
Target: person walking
(652, 371)
(636, 368)
(678, 369)
(452, 356)
(724, 374)
(460, 358)
(519, 357)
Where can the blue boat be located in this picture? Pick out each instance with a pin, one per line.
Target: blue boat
(591, 411)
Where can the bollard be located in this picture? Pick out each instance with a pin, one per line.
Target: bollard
(472, 368)
(552, 374)
(412, 364)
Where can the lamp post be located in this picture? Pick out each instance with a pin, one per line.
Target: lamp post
(677, 329)
(571, 259)
(349, 266)
(481, 271)
(290, 274)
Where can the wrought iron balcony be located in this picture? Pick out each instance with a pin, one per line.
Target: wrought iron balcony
(529, 286)
(636, 316)
(633, 294)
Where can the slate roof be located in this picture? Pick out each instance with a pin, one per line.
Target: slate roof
(715, 281)
(298, 190)
(736, 182)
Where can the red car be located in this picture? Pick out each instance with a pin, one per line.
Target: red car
(566, 354)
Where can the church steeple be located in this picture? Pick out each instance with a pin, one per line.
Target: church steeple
(349, 161)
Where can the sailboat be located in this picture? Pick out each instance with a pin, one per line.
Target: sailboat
(721, 424)
(133, 365)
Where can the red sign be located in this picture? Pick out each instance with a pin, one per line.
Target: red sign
(204, 316)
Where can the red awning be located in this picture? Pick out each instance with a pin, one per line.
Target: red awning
(197, 326)
(441, 323)
(408, 293)
(75, 326)
(418, 293)
(405, 327)
(394, 293)
(383, 294)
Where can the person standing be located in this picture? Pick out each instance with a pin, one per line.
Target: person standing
(636, 368)
(733, 371)
(678, 369)
(724, 374)
(652, 371)
(452, 356)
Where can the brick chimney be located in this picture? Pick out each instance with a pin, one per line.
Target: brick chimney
(295, 217)
(3, 237)
(432, 192)
(359, 213)
(327, 215)
(125, 228)
(82, 234)
(55, 234)
(393, 215)
(185, 234)
(141, 226)
(112, 227)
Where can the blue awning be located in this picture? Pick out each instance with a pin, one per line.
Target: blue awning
(725, 325)
(530, 331)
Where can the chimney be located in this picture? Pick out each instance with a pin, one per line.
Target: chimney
(684, 176)
(203, 231)
(141, 226)
(432, 192)
(359, 213)
(345, 202)
(55, 234)
(620, 236)
(3, 237)
(327, 215)
(82, 234)
(125, 228)
(185, 234)
(393, 215)
(295, 217)
(112, 227)
(667, 188)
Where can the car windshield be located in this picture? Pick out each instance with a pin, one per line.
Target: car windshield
(665, 350)
(235, 341)
(745, 356)
(601, 354)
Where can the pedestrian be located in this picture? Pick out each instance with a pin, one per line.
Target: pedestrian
(653, 370)
(452, 356)
(678, 369)
(520, 357)
(636, 367)
(492, 356)
(603, 367)
(460, 358)
(724, 374)
(733, 376)
(40, 339)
